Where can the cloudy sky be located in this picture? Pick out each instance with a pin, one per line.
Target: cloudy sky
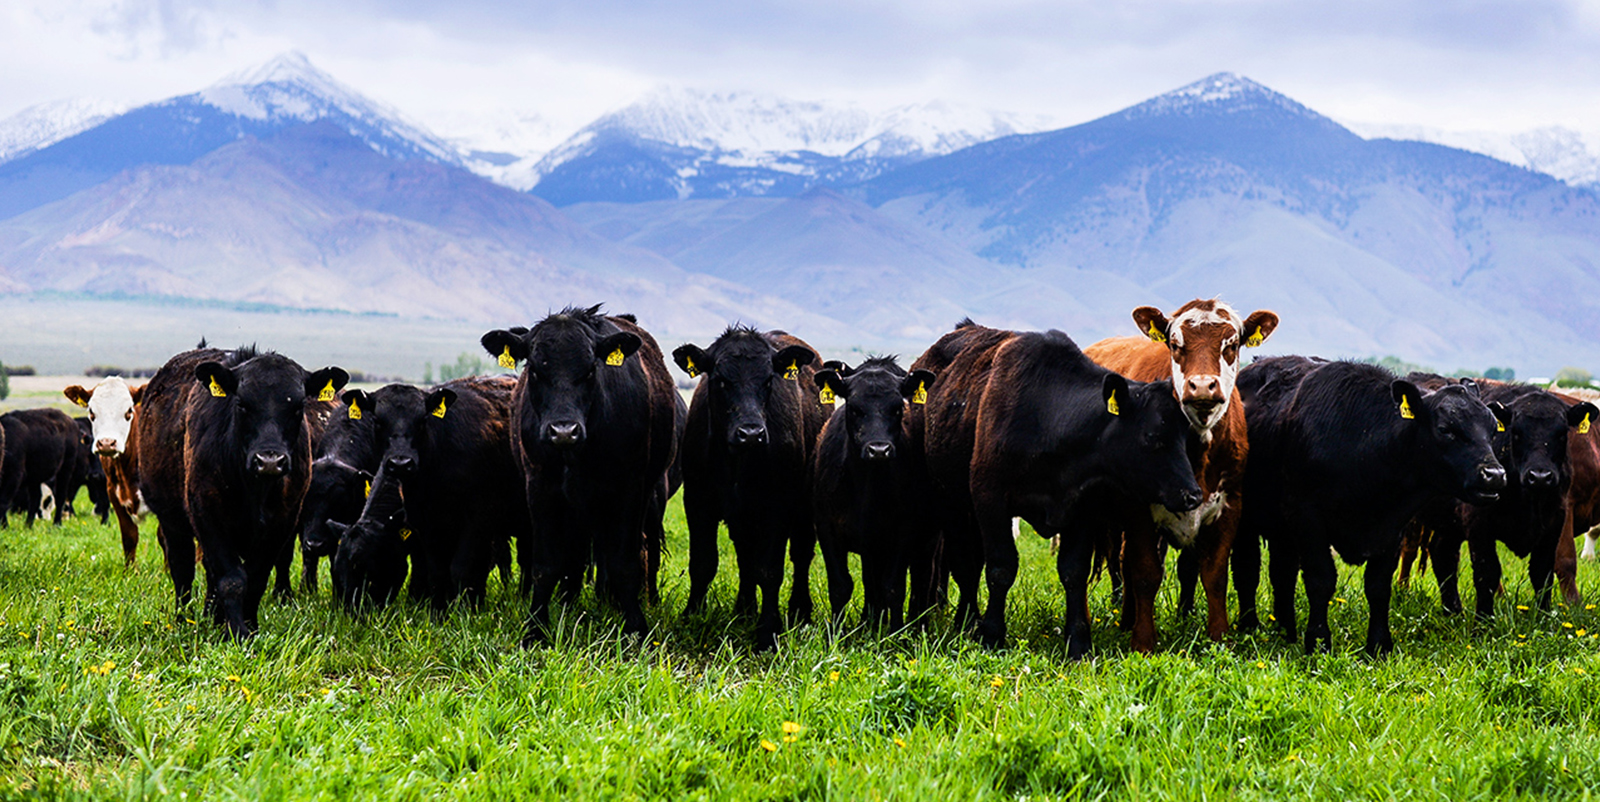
(1497, 65)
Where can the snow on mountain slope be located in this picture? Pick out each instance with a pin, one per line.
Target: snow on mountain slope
(48, 123)
(1557, 151)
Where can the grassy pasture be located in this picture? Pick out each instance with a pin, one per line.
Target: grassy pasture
(104, 695)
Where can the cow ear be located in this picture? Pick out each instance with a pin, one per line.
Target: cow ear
(1582, 415)
(507, 347)
(77, 395)
(217, 378)
(137, 393)
(830, 387)
(1114, 391)
(439, 401)
(692, 359)
(1151, 323)
(616, 348)
(325, 384)
(338, 528)
(915, 386)
(1502, 416)
(1472, 387)
(1407, 397)
(358, 403)
(1258, 327)
(788, 361)
(838, 366)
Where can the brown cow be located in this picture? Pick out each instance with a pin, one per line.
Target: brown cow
(113, 404)
(1199, 349)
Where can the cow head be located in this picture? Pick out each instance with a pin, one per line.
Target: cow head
(1452, 430)
(111, 406)
(1533, 447)
(1145, 443)
(743, 368)
(265, 397)
(876, 396)
(370, 563)
(336, 494)
(402, 421)
(564, 356)
(1204, 338)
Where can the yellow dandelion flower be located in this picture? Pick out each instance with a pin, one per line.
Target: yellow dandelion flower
(997, 682)
(1567, 624)
(1261, 664)
(792, 728)
(833, 676)
(1339, 599)
(898, 741)
(233, 678)
(1271, 617)
(789, 739)
(1580, 672)
(768, 745)
(1580, 633)
(1522, 607)
(1588, 607)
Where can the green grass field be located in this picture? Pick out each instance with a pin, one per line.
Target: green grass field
(103, 694)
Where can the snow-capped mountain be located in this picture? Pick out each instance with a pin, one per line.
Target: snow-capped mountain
(1572, 156)
(48, 123)
(285, 91)
(683, 143)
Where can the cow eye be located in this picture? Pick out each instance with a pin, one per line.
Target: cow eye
(125, 416)
(91, 415)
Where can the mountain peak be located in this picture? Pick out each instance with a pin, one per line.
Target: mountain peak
(1220, 92)
(290, 67)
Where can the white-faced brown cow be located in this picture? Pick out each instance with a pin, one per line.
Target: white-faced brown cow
(1198, 347)
(112, 405)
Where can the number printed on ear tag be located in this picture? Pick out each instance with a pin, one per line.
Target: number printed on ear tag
(689, 363)
(216, 389)
(355, 412)
(438, 411)
(1156, 334)
(506, 360)
(327, 392)
(793, 372)
(1255, 339)
(1583, 427)
(826, 396)
(1111, 405)
(1405, 409)
(615, 357)
(921, 394)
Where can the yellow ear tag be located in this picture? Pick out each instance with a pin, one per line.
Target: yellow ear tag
(369, 488)
(327, 392)
(355, 412)
(405, 534)
(1155, 333)
(438, 411)
(505, 359)
(216, 389)
(1499, 425)
(693, 371)
(1405, 408)
(615, 357)
(1583, 428)
(921, 394)
(793, 372)
(1111, 405)
(826, 396)
(1254, 339)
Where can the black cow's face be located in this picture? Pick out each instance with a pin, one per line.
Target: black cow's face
(1146, 443)
(564, 358)
(401, 416)
(1533, 447)
(266, 399)
(876, 397)
(1454, 431)
(336, 493)
(370, 560)
(742, 368)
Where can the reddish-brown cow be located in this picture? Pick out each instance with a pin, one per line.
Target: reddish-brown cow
(1199, 348)
(112, 405)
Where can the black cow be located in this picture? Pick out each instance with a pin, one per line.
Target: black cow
(42, 448)
(370, 563)
(593, 431)
(1025, 425)
(753, 422)
(870, 489)
(451, 449)
(345, 460)
(1531, 513)
(225, 457)
(90, 474)
(1343, 454)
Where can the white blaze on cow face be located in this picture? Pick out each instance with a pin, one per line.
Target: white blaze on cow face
(111, 405)
(1204, 338)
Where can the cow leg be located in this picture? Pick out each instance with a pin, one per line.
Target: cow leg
(625, 570)
(308, 572)
(655, 537)
(1485, 575)
(1143, 569)
(177, 541)
(1188, 577)
(1211, 549)
(1246, 561)
(837, 562)
(1541, 573)
(525, 561)
(1112, 543)
(1320, 577)
(227, 588)
(768, 578)
(1000, 572)
(1283, 569)
(130, 536)
(1074, 562)
(280, 587)
(1566, 562)
(702, 520)
(537, 629)
(964, 558)
(923, 568)
(1445, 547)
(1379, 585)
(502, 558)
(1411, 539)
(894, 586)
(802, 550)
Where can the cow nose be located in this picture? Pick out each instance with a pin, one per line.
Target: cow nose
(1202, 388)
(1541, 478)
(1189, 499)
(1492, 476)
(400, 463)
(106, 446)
(877, 451)
(750, 434)
(269, 463)
(563, 434)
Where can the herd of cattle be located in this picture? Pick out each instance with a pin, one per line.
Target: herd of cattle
(1117, 451)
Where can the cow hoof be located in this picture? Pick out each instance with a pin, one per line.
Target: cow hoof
(991, 637)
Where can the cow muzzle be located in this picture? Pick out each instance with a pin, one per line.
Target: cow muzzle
(107, 447)
(269, 463)
(1486, 485)
(1539, 479)
(877, 452)
(566, 434)
(749, 434)
(1183, 500)
(402, 464)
